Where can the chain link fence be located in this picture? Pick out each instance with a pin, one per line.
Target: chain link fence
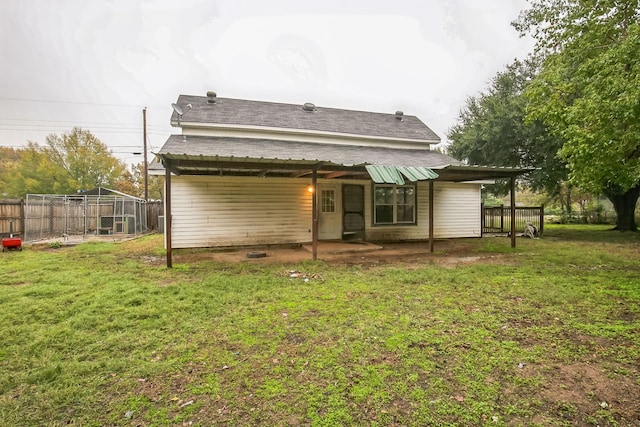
(82, 216)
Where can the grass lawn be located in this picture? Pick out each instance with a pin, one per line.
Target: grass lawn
(545, 334)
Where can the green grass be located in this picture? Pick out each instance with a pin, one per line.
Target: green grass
(104, 334)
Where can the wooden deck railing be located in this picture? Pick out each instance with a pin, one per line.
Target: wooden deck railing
(497, 219)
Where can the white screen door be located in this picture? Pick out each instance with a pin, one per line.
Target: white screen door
(329, 212)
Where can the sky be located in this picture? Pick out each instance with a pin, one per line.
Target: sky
(98, 64)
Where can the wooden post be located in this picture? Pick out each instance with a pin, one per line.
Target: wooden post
(541, 220)
(314, 214)
(482, 219)
(431, 242)
(513, 211)
(23, 220)
(167, 213)
(144, 144)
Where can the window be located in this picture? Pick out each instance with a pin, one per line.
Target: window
(394, 204)
(328, 201)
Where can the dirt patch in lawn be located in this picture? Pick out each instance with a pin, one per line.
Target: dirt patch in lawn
(578, 394)
(583, 393)
(448, 253)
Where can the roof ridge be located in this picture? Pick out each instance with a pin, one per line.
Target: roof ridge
(222, 112)
(258, 101)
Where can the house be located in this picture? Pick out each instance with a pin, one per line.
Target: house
(248, 172)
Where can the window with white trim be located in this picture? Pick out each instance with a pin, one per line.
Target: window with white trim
(394, 204)
(328, 201)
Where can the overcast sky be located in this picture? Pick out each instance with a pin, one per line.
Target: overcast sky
(96, 64)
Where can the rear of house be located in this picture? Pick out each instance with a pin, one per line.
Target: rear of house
(211, 211)
(250, 173)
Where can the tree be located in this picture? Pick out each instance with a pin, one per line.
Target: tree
(32, 172)
(587, 92)
(127, 184)
(491, 130)
(85, 160)
(132, 182)
(70, 162)
(9, 158)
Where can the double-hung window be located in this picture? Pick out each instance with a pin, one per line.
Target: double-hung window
(394, 204)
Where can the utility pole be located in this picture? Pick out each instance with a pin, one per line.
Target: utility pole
(144, 144)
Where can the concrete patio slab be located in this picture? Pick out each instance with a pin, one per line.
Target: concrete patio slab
(335, 247)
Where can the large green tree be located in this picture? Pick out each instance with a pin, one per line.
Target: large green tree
(491, 130)
(9, 158)
(85, 160)
(67, 163)
(587, 92)
(32, 171)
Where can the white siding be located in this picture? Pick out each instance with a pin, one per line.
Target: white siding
(399, 232)
(304, 136)
(456, 210)
(456, 214)
(213, 211)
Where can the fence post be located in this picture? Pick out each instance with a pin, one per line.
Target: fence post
(502, 218)
(482, 219)
(541, 220)
(22, 221)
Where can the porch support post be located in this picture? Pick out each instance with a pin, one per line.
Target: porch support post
(167, 214)
(314, 214)
(513, 211)
(431, 216)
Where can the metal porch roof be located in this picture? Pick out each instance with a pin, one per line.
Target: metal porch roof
(395, 174)
(187, 154)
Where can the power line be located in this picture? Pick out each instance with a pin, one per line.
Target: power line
(59, 128)
(96, 104)
(35, 123)
(19, 126)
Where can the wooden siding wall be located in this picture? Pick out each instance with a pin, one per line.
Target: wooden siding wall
(456, 214)
(211, 211)
(399, 232)
(456, 210)
(278, 135)
(234, 211)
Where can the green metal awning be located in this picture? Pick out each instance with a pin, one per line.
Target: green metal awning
(396, 174)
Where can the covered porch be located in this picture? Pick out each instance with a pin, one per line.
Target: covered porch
(313, 162)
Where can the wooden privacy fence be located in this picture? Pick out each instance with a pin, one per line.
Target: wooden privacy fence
(497, 219)
(154, 211)
(11, 217)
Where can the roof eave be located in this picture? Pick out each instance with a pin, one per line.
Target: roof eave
(301, 132)
(467, 173)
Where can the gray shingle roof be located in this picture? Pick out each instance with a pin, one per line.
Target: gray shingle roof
(249, 149)
(227, 111)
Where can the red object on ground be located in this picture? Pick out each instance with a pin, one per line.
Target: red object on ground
(11, 243)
